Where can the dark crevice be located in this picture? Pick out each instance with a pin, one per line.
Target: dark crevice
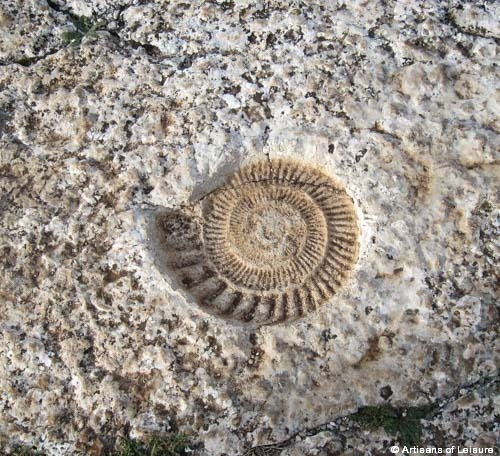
(28, 61)
(377, 128)
(451, 20)
(333, 425)
(55, 6)
(152, 51)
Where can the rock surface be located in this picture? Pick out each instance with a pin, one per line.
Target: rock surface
(112, 110)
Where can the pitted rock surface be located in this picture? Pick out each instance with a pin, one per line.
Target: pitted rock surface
(152, 103)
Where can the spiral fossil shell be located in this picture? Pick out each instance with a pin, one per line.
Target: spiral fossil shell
(273, 243)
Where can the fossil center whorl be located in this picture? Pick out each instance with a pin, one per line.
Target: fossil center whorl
(271, 231)
(268, 236)
(274, 242)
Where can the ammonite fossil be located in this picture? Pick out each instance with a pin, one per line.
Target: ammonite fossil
(273, 243)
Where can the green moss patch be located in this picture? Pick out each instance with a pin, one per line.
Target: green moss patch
(405, 423)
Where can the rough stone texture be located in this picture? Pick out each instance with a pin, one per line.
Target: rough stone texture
(398, 100)
(466, 420)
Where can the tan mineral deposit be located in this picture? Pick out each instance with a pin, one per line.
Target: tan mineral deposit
(236, 228)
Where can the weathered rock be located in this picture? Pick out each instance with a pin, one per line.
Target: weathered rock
(151, 105)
